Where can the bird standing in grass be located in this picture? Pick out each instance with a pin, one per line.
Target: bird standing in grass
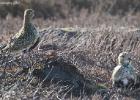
(124, 75)
(27, 38)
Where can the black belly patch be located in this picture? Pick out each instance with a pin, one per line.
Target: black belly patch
(120, 84)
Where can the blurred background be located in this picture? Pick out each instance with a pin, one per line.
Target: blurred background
(66, 8)
(69, 13)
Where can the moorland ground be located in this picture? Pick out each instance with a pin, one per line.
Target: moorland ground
(93, 50)
(93, 47)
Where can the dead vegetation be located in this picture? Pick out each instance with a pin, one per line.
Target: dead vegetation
(79, 50)
(85, 56)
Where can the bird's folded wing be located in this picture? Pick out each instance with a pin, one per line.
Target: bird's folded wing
(14, 40)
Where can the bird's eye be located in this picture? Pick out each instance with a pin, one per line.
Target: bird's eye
(129, 58)
(29, 12)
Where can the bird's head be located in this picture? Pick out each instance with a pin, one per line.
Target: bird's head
(124, 58)
(28, 14)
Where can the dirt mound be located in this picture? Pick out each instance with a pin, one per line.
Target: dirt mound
(65, 73)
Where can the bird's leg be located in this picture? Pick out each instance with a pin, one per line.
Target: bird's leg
(39, 48)
(35, 45)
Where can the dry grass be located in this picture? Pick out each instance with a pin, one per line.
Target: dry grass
(92, 46)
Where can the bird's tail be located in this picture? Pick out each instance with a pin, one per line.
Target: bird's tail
(2, 46)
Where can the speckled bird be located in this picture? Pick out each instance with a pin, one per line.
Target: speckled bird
(27, 38)
(124, 75)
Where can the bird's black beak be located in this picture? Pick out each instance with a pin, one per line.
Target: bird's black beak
(129, 59)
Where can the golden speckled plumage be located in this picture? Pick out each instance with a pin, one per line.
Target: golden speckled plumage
(26, 37)
(124, 73)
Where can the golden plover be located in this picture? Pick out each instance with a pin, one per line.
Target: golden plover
(27, 38)
(124, 74)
